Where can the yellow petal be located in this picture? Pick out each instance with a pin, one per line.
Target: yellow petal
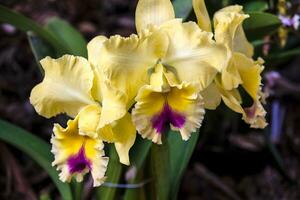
(125, 134)
(249, 71)
(230, 99)
(186, 99)
(202, 15)
(76, 154)
(230, 75)
(211, 97)
(254, 115)
(153, 12)
(88, 121)
(94, 48)
(124, 63)
(66, 86)
(229, 31)
(192, 53)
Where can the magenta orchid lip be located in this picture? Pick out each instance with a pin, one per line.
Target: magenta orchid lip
(165, 117)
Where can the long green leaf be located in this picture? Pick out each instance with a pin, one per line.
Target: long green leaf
(180, 155)
(182, 8)
(255, 6)
(68, 36)
(39, 48)
(114, 171)
(285, 54)
(138, 154)
(25, 24)
(160, 170)
(260, 24)
(37, 149)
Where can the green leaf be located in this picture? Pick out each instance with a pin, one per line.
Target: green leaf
(37, 149)
(160, 170)
(260, 24)
(180, 155)
(68, 36)
(255, 6)
(25, 24)
(138, 155)
(182, 8)
(139, 151)
(40, 49)
(113, 173)
(284, 54)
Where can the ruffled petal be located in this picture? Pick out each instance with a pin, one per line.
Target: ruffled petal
(124, 63)
(76, 154)
(179, 106)
(249, 71)
(229, 31)
(192, 50)
(66, 87)
(254, 115)
(153, 12)
(202, 15)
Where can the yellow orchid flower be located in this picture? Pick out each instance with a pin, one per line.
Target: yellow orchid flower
(241, 68)
(124, 64)
(166, 102)
(77, 153)
(69, 86)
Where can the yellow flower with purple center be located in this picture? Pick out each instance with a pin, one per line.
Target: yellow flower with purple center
(77, 153)
(241, 69)
(125, 64)
(69, 86)
(166, 103)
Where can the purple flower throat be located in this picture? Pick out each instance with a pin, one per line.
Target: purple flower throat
(166, 117)
(78, 162)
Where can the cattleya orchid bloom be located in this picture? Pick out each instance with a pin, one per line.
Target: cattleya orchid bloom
(166, 46)
(241, 70)
(68, 87)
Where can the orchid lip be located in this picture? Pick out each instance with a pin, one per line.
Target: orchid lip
(165, 117)
(78, 162)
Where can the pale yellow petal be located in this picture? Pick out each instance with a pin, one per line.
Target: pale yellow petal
(229, 31)
(153, 12)
(125, 133)
(192, 53)
(202, 15)
(185, 99)
(211, 97)
(149, 104)
(249, 71)
(254, 115)
(88, 121)
(125, 63)
(94, 48)
(65, 88)
(230, 75)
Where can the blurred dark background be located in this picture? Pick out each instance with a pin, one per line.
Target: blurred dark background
(231, 161)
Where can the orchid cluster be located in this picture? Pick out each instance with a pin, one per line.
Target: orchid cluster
(164, 76)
